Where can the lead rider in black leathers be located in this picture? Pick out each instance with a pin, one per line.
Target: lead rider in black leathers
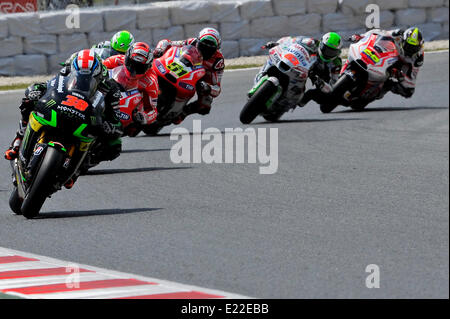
(111, 129)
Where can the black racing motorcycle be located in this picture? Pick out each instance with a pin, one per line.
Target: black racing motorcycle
(60, 131)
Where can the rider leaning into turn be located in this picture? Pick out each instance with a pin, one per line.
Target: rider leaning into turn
(111, 129)
(325, 71)
(409, 45)
(138, 73)
(208, 43)
(119, 44)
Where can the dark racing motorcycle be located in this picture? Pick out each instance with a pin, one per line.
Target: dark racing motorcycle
(59, 134)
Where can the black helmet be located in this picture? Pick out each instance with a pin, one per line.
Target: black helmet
(412, 41)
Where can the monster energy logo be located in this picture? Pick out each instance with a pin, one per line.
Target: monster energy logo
(50, 103)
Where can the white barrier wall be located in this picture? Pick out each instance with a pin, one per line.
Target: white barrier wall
(34, 43)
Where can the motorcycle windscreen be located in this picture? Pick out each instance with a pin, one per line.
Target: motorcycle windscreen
(119, 75)
(191, 56)
(84, 84)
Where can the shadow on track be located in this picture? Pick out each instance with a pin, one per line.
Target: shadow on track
(168, 134)
(132, 170)
(309, 121)
(97, 212)
(394, 108)
(144, 151)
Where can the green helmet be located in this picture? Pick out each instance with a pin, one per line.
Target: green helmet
(330, 46)
(121, 41)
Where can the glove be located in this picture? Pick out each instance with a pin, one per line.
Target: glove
(139, 117)
(158, 52)
(398, 74)
(397, 32)
(204, 88)
(355, 38)
(112, 130)
(269, 45)
(419, 61)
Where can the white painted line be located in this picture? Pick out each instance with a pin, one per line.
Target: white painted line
(138, 291)
(25, 265)
(48, 280)
(107, 293)
(11, 91)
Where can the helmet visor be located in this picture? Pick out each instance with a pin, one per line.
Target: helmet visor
(207, 48)
(84, 84)
(135, 67)
(410, 49)
(328, 53)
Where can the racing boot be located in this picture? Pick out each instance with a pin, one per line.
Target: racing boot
(12, 152)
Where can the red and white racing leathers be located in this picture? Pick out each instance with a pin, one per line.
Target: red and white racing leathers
(407, 66)
(147, 84)
(214, 71)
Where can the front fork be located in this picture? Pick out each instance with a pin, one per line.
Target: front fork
(260, 82)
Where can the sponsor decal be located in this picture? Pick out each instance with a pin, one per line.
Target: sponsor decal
(186, 86)
(38, 150)
(220, 64)
(14, 6)
(160, 67)
(60, 84)
(123, 116)
(78, 95)
(71, 112)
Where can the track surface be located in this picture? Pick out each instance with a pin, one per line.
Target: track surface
(352, 189)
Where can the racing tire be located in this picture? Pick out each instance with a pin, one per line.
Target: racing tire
(15, 203)
(40, 188)
(359, 107)
(272, 117)
(256, 104)
(152, 130)
(344, 83)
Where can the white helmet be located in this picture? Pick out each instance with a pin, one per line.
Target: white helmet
(208, 42)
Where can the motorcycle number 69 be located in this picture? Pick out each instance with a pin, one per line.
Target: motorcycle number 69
(177, 69)
(371, 55)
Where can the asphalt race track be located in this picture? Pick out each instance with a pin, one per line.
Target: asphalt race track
(352, 189)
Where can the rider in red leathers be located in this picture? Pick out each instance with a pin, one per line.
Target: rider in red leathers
(208, 43)
(137, 73)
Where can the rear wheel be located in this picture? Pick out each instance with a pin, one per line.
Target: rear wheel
(15, 202)
(344, 83)
(43, 181)
(152, 130)
(257, 103)
(359, 106)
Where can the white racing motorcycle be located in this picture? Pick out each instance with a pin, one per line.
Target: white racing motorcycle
(371, 62)
(281, 83)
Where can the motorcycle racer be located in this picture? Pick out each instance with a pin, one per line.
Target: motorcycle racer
(119, 44)
(325, 70)
(208, 43)
(409, 45)
(85, 62)
(136, 72)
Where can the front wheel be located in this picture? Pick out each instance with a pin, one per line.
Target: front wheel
(256, 104)
(42, 183)
(15, 203)
(272, 117)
